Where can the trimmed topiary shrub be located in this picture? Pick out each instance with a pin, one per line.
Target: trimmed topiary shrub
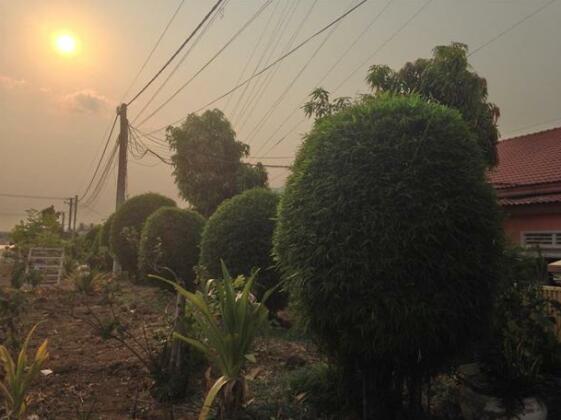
(127, 225)
(104, 234)
(240, 233)
(390, 239)
(170, 240)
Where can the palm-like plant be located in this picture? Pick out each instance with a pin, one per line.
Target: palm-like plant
(18, 376)
(228, 321)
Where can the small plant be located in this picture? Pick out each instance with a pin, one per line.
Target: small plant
(11, 309)
(18, 375)
(226, 339)
(33, 277)
(85, 279)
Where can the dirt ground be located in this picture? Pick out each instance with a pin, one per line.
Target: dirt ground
(93, 378)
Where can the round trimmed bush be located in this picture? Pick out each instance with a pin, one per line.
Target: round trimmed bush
(104, 234)
(240, 232)
(127, 224)
(390, 238)
(170, 240)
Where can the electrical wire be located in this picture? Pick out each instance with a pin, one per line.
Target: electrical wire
(347, 50)
(364, 62)
(278, 60)
(511, 27)
(180, 63)
(281, 97)
(156, 45)
(270, 76)
(33, 197)
(232, 39)
(213, 157)
(260, 38)
(100, 159)
(383, 44)
(267, 54)
(167, 63)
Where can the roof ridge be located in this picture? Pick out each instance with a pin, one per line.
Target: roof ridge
(531, 134)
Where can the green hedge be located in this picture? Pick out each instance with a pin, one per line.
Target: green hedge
(240, 233)
(170, 240)
(390, 237)
(104, 234)
(127, 224)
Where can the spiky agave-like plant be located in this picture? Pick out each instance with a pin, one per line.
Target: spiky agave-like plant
(19, 375)
(227, 335)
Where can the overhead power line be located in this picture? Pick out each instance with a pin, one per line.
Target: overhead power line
(270, 47)
(261, 86)
(208, 63)
(179, 63)
(511, 27)
(167, 63)
(278, 60)
(325, 76)
(100, 159)
(281, 97)
(260, 38)
(149, 149)
(154, 48)
(383, 44)
(363, 63)
(34, 197)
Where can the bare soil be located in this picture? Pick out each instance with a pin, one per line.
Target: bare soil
(101, 378)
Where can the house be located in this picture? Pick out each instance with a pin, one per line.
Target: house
(528, 184)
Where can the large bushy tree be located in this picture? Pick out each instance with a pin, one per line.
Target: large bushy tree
(240, 233)
(207, 161)
(390, 238)
(40, 228)
(127, 224)
(446, 78)
(170, 241)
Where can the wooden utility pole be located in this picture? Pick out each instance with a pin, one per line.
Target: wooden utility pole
(75, 215)
(122, 170)
(70, 203)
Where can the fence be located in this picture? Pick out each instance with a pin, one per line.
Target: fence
(554, 293)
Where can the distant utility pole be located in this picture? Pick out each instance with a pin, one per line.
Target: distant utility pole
(122, 170)
(70, 204)
(75, 212)
(62, 216)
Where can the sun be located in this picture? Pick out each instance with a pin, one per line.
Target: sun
(66, 44)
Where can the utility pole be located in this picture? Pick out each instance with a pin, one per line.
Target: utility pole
(62, 215)
(122, 170)
(70, 203)
(75, 212)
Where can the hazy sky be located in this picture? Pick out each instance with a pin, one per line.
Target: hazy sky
(55, 110)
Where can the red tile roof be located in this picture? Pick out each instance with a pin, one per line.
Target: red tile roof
(536, 199)
(528, 160)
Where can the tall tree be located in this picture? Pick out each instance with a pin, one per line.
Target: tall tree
(207, 161)
(446, 78)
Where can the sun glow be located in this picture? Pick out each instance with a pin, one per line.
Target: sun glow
(66, 44)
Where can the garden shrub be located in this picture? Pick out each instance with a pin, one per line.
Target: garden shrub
(390, 238)
(523, 349)
(240, 233)
(170, 241)
(127, 225)
(104, 234)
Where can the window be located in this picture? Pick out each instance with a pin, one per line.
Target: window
(543, 239)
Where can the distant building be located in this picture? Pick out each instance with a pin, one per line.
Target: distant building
(528, 184)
